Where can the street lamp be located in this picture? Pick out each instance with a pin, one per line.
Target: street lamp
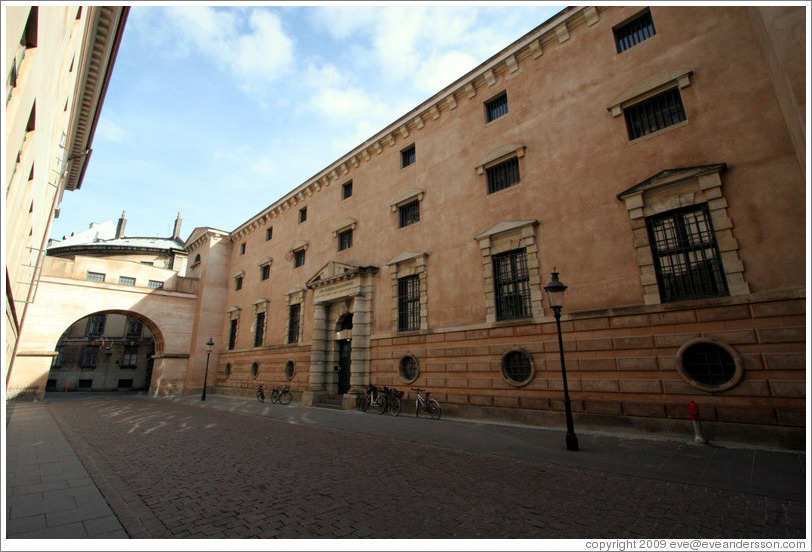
(555, 294)
(209, 346)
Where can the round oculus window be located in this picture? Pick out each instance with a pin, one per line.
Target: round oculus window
(254, 370)
(709, 365)
(409, 368)
(290, 369)
(517, 367)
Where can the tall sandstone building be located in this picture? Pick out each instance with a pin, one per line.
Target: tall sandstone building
(655, 158)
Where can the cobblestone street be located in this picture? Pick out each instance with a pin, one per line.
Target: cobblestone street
(170, 469)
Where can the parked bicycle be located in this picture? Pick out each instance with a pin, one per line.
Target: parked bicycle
(429, 405)
(391, 401)
(373, 399)
(280, 395)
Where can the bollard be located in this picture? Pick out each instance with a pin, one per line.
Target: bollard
(699, 437)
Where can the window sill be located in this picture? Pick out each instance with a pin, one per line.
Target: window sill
(658, 132)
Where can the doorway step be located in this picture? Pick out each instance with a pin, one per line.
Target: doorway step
(330, 401)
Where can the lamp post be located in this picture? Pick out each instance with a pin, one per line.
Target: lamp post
(209, 346)
(555, 294)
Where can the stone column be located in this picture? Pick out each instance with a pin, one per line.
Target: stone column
(318, 350)
(361, 330)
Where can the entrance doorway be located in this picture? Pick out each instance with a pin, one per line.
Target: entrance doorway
(344, 356)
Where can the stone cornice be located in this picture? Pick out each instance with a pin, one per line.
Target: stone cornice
(528, 48)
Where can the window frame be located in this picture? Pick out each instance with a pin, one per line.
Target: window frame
(126, 281)
(493, 107)
(303, 214)
(625, 26)
(655, 113)
(346, 190)
(294, 322)
(408, 303)
(511, 285)
(259, 329)
(345, 239)
(508, 377)
(95, 276)
(408, 156)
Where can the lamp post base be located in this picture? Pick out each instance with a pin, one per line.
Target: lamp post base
(572, 441)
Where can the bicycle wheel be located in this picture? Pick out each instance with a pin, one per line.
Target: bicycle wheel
(434, 409)
(260, 396)
(380, 405)
(365, 404)
(394, 407)
(275, 396)
(285, 397)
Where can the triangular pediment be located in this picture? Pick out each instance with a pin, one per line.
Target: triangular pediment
(332, 271)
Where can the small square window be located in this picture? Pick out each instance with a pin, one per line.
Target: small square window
(299, 258)
(496, 107)
(95, 276)
(346, 190)
(242, 249)
(266, 271)
(345, 240)
(407, 156)
(126, 281)
(302, 214)
(269, 233)
(409, 213)
(238, 283)
(634, 32)
(156, 284)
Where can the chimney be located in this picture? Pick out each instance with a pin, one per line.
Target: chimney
(176, 233)
(122, 222)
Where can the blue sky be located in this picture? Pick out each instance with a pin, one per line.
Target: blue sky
(216, 112)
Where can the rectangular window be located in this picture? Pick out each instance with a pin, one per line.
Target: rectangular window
(496, 107)
(125, 383)
(512, 285)
(242, 249)
(409, 303)
(259, 330)
(126, 281)
(130, 359)
(85, 384)
(302, 214)
(409, 213)
(265, 271)
(346, 190)
(299, 258)
(345, 240)
(95, 276)
(294, 321)
(90, 356)
(504, 175)
(50, 385)
(95, 325)
(407, 156)
(232, 334)
(655, 113)
(238, 283)
(155, 284)
(686, 257)
(269, 233)
(134, 328)
(634, 32)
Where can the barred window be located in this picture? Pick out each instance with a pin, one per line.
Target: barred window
(294, 322)
(504, 175)
(95, 276)
(126, 281)
(346, 190)
(259, 330)
(409, 303)
(409, 213)
(634, 32)
(496, 107)
(512, 285)
(345, 240)
(409, 368)
(686, 257)
(156, 284)
(407, 156)
(655, 113)
(517, 367)
(232, 334)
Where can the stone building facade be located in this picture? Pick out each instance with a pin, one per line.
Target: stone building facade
(654, 157)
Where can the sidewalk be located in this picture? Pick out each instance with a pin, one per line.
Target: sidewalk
(50, 494)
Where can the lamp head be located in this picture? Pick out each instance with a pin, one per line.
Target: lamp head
(555, 291)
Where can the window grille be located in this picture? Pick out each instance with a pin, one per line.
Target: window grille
(709, 364)
(126, 281)
(155, 284)
(655, 113)
(409, 213)
(634, 32)
(686, 258)
(496, 107)
(409, 368)
(409, 303)
(407, 157)
(504, 175)
(260, 329)
(294, 322)
(345, 240)
(232, 334)
(512, 285)
(516, 366)
(95, 276)
(299, 258)
(346, 190)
